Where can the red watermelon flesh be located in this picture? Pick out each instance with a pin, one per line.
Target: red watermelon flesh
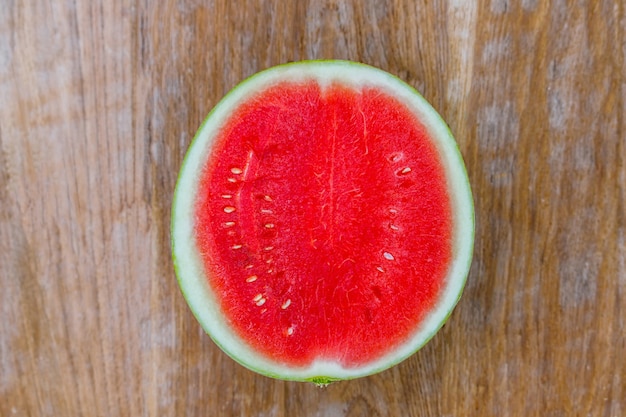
(324, 223)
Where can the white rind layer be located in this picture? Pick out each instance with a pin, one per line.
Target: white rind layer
(189, 267)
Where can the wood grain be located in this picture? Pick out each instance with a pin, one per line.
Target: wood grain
(100, 99)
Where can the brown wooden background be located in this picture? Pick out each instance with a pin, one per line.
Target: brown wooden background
(100, 99)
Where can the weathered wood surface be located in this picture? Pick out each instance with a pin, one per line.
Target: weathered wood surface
(100, 99)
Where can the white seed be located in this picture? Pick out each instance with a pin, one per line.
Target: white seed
(266, 211)
(286, 304)
(405, 170)
(269, 225)
(236, 170)
(232, 180)
(229, 224)
(257, 297)
(261, 302)
(227, 196)
(393, 211)
(267, 198)
(268, 248)
(249, 266)
(394, 227)
(380, 268)
(388, 256)
(395, 157)
(251, 278)
(237, 246)
(229, 209)
(290, 331)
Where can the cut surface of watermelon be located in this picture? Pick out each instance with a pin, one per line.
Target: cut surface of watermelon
(322, 225)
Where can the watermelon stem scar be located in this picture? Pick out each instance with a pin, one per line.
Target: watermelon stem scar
(323, 222)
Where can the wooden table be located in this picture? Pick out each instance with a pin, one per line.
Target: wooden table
(100, 99)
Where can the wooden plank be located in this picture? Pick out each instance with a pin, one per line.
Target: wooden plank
(100, 99)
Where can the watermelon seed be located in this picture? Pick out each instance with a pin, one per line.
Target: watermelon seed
(229, 209)
(251, 278)
(380, 268)
(267, 198)
(261, 302)
(393, 211)
(395, 157)
(290, 331)
(377, 292)
(227, 196)
(405, 170)
(236, 170)
(388, 256)
(237, 246)
(249, 266)
(229, 224)
(394, 227)
(269, 225)
(257, 298)
(268, 248)
(267, 211)
(232, 180)
(286, 304)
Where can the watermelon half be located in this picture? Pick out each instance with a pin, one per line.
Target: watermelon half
(323, 222)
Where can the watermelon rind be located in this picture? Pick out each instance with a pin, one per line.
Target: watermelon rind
(189, 267)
